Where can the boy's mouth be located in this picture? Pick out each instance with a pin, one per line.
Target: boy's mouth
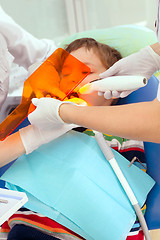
(73, 95)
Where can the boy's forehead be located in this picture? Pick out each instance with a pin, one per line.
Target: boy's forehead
(88, 57)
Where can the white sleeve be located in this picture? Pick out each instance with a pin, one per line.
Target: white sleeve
(25, 48)
(6, 60)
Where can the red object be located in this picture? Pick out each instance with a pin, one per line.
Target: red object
(139, 236)
(57, 77)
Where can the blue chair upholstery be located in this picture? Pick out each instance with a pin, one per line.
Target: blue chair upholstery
(152, 153)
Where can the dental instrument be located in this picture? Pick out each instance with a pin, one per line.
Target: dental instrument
(119, 83)
(112, 161)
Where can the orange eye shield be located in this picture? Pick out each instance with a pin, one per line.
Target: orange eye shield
(57, 77)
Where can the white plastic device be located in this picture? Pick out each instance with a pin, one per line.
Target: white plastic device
(119, 83)
(10, 202)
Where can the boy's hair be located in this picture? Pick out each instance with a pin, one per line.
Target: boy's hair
(107, 54)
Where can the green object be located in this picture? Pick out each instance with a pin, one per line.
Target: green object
(127, 39)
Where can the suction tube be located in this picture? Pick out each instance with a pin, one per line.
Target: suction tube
(119, 83)
(111, 159)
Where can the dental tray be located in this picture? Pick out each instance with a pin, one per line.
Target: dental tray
(10, 202)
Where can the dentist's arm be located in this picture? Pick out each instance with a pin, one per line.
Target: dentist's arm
(140, 121)
(11, 148)
(27, 139)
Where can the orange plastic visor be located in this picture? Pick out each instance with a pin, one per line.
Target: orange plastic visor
(57, 77)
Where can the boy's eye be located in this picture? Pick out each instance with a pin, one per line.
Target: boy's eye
(84, 72)
(87, 72)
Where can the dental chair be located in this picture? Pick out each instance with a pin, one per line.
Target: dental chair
(129, 39)
(152, 154)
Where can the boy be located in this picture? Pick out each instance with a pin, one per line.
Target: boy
(98, 57)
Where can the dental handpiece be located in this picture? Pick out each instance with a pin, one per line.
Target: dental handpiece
(118, 83)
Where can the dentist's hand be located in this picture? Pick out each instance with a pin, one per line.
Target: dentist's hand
(33, 137)
(46, 124)
(144, 63)
(46, 114)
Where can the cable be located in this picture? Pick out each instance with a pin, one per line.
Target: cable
(111, 159)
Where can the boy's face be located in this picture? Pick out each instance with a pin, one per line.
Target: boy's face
(92, 60)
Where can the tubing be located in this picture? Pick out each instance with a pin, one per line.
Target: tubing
(111, 159)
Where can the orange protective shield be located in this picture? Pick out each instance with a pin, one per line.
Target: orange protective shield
(57, 77)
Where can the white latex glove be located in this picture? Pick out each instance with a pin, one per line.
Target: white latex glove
(144, 63)
(46, 114)
(33, 137)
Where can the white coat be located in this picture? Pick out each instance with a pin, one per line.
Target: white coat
(6, 60)
(25, 48)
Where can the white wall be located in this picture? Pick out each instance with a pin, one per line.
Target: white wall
(107, 13)
(56, 19)
(42, 18)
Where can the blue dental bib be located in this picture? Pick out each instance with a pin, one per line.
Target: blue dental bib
(70, 181)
